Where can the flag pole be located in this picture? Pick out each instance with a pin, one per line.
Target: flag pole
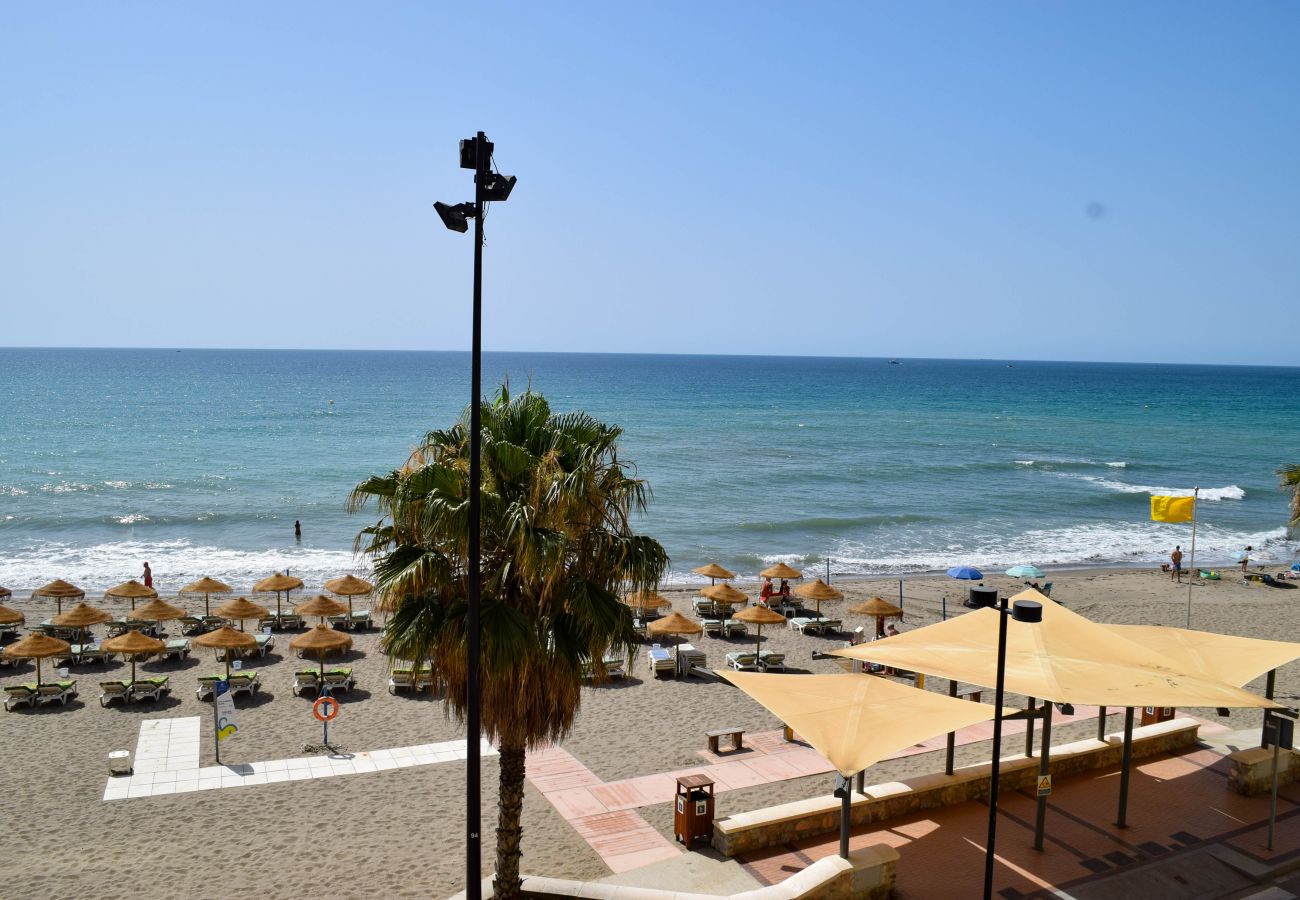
(1191, 571)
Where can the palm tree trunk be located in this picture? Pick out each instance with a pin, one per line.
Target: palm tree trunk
(510, 808)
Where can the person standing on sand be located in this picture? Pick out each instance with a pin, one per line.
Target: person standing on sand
(147, 577)
(1176, 573)
(1245, 559)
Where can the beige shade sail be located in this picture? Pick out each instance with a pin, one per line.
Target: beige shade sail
(11, 616)
(724, 593)
(759, 615)
(645, 600)
(37, 647)
(60, 590)
(1063, 659)
(81, 616)
(713, 570)
(241, 609)
(226, 638)
(157, 610)
(675, 624)
(1223, 657)
(780, 570)
(206, 585)
(856, 721)
(320, 605)
(319, 640)
(134, 644)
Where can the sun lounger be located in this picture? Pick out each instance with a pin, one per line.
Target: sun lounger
(147, 689)
(768, 661)
(401, 678)
(208, 685)
(244, 683)
(427, 679)
(264, 643)
(56, 692)
(714, 627)
(212, 623)
(359, 619)
(20, 695)
(281, 622)
(661, 660)
(732, 628)
(688, 656)
(339, 679)
(177, 649)
(86, 653)
(613, 666)
(114, 690)
(804, 625)
(192, 625)
(8, 631)
(742, 661)
(306, 680)
(832, 626)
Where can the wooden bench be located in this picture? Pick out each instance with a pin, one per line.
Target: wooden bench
(737, 736)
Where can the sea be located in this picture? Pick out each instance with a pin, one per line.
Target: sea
(200, 461)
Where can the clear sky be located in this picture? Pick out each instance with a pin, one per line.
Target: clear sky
(1106, 181)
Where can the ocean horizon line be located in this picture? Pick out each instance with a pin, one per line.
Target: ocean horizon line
(665, 355)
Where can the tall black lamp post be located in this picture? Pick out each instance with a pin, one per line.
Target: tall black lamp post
(1030, 612)
(476, 154)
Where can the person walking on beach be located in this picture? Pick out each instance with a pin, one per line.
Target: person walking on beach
(1176, 573)
(297, 530)
(1245, 559)
(147, 577)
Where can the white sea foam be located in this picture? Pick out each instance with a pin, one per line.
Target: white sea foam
(131, 519)
(1118, 465)
(11, 490)
(174, 563)
(1231, 492)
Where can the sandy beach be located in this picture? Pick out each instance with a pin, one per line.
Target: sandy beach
(399, 832)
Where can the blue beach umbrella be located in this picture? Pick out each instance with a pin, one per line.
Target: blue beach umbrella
(1025, 572)
(965, 573)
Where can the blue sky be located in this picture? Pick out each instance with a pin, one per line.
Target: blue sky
(909, 179)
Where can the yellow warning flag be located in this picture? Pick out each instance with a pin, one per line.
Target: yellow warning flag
(1171, 509)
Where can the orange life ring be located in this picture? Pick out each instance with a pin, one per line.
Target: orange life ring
(325, 702)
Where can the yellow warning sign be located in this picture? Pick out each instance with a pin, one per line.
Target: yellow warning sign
(1044, 785)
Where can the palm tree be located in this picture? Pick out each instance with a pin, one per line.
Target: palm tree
(1291, 482)
(557, 546)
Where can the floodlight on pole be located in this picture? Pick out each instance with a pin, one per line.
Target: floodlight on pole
(489, 186)
(1029, 612)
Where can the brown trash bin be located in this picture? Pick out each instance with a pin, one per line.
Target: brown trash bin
(693, 809)
(1153, 714)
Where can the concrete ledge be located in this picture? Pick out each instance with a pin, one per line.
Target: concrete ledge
(1252, 770)
(748, 831)
(868, 873)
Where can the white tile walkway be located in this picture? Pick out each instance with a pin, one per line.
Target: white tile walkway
(167, 762)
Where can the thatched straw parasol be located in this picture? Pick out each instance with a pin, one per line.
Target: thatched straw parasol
(644, 601)
(880, 608)
(713, 572)
(321, 639)
(226, 638)
(781, 570)
(349, 586)
(818, 592)
(81, 617)
(11, 616)
(675, 624)
(321, 606)
(278, 584)
(132, 590)
(207, 586)
(60, 590)
(158, 610)
(37, 647)
(724, 593)
(241, 609)
(134, 644)
(759, 615)
(5, 592)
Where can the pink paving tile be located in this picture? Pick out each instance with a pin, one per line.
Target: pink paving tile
(733, 775)
(621, 795)
(657, 788)
(807, 762)
(773, 768)
(576, 803)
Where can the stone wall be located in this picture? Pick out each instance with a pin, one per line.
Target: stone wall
(789, 822)
(1252, 770)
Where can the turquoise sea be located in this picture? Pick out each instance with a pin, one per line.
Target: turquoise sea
(200, 460)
